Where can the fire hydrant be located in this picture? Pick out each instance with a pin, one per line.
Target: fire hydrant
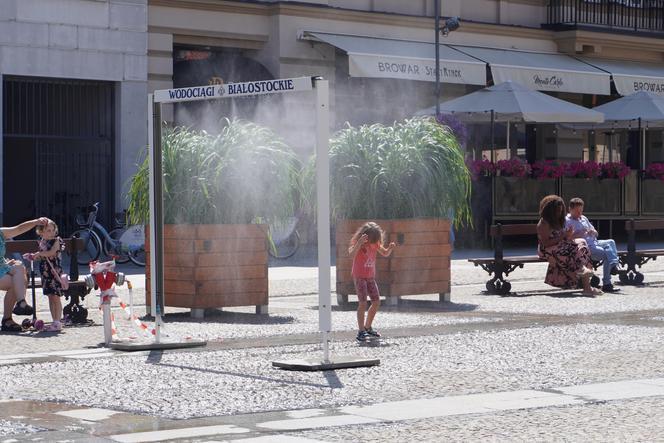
(103, 276)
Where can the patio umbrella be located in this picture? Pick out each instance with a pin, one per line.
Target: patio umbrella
(634, 109)
(510, 102)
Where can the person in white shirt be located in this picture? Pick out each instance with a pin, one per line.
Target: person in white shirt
(604, 250)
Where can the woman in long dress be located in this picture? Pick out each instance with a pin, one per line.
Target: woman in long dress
(569, 258)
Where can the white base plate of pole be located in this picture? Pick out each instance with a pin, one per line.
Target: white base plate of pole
(151, 345)
(313, 364)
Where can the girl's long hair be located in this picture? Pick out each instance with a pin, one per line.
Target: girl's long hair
(373, 231)
(548, 211)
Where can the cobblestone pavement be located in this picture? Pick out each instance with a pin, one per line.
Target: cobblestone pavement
(534, 339)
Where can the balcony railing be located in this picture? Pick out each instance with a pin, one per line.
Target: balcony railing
(624, 15)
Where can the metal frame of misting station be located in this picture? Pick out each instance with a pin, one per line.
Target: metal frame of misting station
(230, 90)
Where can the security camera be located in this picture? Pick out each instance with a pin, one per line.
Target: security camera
(451, 24)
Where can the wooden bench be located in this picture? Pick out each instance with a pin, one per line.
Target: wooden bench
(501, 266)
(77, 289)
(633, 257)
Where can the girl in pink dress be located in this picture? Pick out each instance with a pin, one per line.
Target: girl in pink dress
(365, 243)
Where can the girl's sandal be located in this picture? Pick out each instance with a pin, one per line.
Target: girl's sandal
(9, 325)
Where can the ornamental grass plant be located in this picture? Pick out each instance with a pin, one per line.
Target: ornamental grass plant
(413, 168)
(242, 174)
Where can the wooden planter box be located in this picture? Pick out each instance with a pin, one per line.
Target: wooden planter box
(419, 265)
(521, 196)
(213, 266)
(652, 197)
(601, 197)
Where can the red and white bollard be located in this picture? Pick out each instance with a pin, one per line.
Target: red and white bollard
(104, 276)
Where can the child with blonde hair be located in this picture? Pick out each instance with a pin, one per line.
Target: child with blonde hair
(364, 244)
(50, 269)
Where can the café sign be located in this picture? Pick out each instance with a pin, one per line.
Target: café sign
(553, 80)
(424, 69)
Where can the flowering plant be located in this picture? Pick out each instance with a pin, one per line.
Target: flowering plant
(547, 169)
(456, 126)
(617, 170)
(481, 168)
(514, 167)
(581, 169)
(654, 170)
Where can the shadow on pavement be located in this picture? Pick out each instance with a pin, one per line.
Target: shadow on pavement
(217, 316)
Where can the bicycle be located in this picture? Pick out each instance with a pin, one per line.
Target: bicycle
(124, 244)
(284, 238)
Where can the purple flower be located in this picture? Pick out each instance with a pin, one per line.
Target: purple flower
(581, 169)
(514, 167)
(456, 126)
(481, 168)
(617, 170)
(547, 169)
(655, 170)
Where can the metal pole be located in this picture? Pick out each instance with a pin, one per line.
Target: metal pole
(156, 221)
(323, 212)
(436, 9)
(642, 138)
(493, 148)
(153, 289)
(509, 152)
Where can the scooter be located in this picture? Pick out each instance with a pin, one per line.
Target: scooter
(33, 323)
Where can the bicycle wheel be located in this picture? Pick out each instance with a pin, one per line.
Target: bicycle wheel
(113, 246)
(92, 247)
(137, 256)
(286, 247)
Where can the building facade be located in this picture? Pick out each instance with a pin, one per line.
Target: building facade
(74, 87)
(75, 73)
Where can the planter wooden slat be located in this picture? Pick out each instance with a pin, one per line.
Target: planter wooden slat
(179, 286)
(185, 273)
(233, 259)
(417, 275)
(205, 232)
(431, 287)
(414, 238)
(237, 299)
(213, 287)
(178, 246)
(234, 244)
(229, 273)
(178, 232)
(405, 263)
(420, 225)
(422, 251)
(177, 259)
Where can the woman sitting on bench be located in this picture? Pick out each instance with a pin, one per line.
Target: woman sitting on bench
(12, 277)
(569, 258)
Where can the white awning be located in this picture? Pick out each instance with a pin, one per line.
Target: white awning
(630, 77)
(403, 59)
(542, 71)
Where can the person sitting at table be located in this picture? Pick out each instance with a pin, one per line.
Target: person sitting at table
(604, 250)
(569, 258)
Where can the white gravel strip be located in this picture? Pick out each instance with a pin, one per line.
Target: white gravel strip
(243, 381)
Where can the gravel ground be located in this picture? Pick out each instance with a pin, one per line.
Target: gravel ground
(417, 367)
(624, 421)
(9, 428)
